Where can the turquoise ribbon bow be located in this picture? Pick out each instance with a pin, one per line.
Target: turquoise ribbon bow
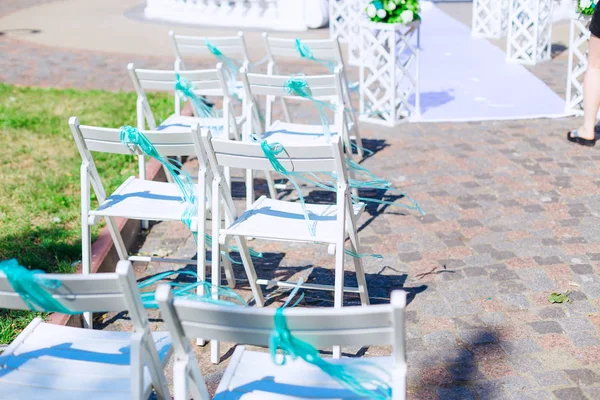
(33, 287)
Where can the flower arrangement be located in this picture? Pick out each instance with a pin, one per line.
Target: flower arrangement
(395, 11)
(586, 7)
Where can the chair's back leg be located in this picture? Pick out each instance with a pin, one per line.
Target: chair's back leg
(216, 258)
(250, 271)
(198, 385)
(229, 274)
(180, 380)
(355, 247)
(271, 185)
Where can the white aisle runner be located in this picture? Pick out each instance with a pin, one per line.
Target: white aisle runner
(467, 79)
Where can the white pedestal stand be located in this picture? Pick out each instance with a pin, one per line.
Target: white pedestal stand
(389, 72)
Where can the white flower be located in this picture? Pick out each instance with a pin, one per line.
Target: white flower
(407, 16)
(391, 6)
(371, 11)
(585, 3)
(381, 13)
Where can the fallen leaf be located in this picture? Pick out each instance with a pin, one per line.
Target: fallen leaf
(558, 298)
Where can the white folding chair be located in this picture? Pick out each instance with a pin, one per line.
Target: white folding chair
(252, 375)
(205, 82)
(55, 362)
(233, 47)
(327, 88)
(138, 198)
(326, 50)
(279, 220)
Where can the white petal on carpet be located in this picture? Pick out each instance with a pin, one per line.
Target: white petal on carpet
(467, 79)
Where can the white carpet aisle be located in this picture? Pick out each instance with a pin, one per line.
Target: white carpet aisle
(467, 79)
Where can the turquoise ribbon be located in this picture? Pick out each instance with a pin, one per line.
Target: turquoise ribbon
(306, 53)
(183, 290)
(298, 86)
(185, 89)
(231, 68)
(360, 378)
(33, 287)
(271, 151)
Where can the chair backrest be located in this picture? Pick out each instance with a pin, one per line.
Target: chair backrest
(328, 88)
(321, 49)
(204, 82)
(321, 86)
(297, 158)
(107, 140)
(321, 327)
(102, 292)
(233, 47)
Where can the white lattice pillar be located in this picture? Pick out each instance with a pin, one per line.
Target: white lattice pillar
(339, 19)
(529, 31)
(490, 18)
(578, 63)
(357, 16)
(389, 72)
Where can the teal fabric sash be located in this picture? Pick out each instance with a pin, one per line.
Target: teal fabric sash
(33, 287)
(363, 378)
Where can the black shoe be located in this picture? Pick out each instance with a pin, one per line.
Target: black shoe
(574, 137)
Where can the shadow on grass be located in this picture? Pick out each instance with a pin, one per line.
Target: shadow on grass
(53, 249)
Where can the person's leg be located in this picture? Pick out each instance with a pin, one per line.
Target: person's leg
(591, 90)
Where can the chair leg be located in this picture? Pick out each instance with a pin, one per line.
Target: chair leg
(86, 262)
(229, 274)
(216, 263)
(360, 275)
(180, 380)
(117, 238)
(271, 185)
(249, 188)
(359, 146)
(338, 299)
(250, 271)
(198, 385)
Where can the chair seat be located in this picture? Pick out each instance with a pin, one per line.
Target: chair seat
(252, 375)
(290, 133)
(49, 361)
(143, 199)
(175, 122)
(283, 220)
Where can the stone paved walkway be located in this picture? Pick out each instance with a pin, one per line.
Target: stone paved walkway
(512, 216)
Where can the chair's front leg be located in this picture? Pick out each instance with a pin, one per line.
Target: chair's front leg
(180, 379)
(86, 238)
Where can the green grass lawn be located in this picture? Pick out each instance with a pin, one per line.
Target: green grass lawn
(39, 175)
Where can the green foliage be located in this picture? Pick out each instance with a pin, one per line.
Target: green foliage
(586, 7)
(393, 11)
(39, 164)
(559, 298)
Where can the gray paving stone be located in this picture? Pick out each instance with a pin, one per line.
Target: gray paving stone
(553, 312)
(573, 393)
(576, 324)
(552, 378)
(546, 327)
(585, 377)
(582, 269)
